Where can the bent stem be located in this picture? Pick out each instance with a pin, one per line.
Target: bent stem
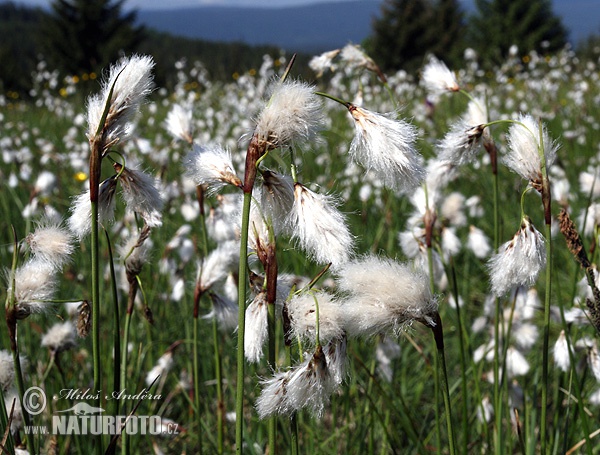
(438, 334)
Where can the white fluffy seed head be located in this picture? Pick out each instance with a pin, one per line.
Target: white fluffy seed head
(256, 328)
(526, 139)
(308, 385)
(485, 411)
(277, 197)
(386, 146)
(588, 219)
(273, 399)
(519, 261)
(141, 195)
(45, 183)
(225, 310)
(293, 114)
(477, 114)
(353, 56)
(13, 396)
(323, 62)
(516, 363)
(7, 370)
(60, 337)
(593, 358)
(452, 209)
(311, 384)
(302, 310)
(461, 144)
(35, 286)
(337, 358)
(437, 78)
(387, 350)
(261, 231)
(589, 182)
(211, 165)
(561, 353)
(128, 84)
(222, 222)
(51, 243)
(135, 252)
(80, 221)
(384, 295)
(216, 266)
(319, 227)
(162, 367)
(478, 242)
(179, 123)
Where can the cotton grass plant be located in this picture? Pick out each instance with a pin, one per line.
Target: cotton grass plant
(336, 221)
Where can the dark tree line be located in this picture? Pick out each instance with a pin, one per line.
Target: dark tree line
(83, 36)
(407, 30)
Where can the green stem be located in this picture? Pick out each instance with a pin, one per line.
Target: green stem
(293, 417)
(546, 338)
(242, 274)
(4, 411)
(490, 147)
(21, 388)
(391, 94)
(196, 354)
(219, 378)
(463, 361)
(272, 423)
(469, 96)
(428, 221)
(124, 437)
(96, 312)
(116, 327)
(48, 368)
(334, 98)
(438, 334)
(196, 360)
(577, 386)
(546, 201)
(11, 323)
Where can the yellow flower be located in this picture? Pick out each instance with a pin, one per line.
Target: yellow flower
(81, 176)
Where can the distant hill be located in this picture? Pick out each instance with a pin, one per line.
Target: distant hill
(320, 26)
(311, 28)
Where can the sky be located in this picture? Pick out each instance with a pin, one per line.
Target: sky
(161, 4)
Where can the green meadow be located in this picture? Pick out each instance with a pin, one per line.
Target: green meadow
(391, 398)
